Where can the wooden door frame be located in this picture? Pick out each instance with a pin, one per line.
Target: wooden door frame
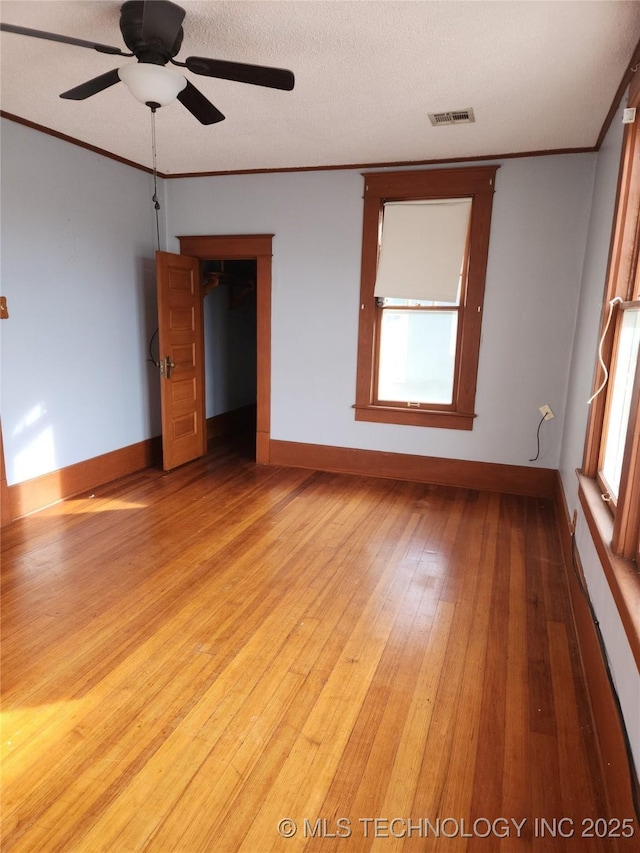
(256, 247)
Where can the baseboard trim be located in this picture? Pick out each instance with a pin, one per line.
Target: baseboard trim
(604, 711)
(484, 476)
(39, 492)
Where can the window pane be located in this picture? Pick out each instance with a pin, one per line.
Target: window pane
(417, 356)
(621, 390)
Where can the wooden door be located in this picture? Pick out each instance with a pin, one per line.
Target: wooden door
(181, 353)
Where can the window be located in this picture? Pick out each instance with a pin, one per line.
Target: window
(612, 452)
(424, 256)
(618, 412)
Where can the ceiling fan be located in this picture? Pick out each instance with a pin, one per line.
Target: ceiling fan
(152, 30)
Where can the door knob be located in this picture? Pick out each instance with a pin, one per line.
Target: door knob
(166, 366)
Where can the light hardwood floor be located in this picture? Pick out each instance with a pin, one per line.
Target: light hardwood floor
(191, 658)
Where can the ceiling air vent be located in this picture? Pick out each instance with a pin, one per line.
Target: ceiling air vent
(452, 117)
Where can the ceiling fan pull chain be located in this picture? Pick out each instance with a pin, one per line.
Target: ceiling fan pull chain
(154, 197)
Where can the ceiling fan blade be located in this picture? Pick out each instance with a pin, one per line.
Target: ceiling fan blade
(40, 34)
(92, 87)
(257, 75)
(161, 20)
(198, 105)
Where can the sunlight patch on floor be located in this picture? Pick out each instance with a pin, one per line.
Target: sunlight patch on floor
(79, 506)
(31, 727)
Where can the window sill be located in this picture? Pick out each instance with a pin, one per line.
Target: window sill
(414, 417)
(622, 575)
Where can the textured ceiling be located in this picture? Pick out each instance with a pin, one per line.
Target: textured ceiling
(539, 76)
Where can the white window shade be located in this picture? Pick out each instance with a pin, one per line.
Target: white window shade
(422, 249)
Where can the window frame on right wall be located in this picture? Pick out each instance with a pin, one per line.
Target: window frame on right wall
(476, 183)
(620, 510)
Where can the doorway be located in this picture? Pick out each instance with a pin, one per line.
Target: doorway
(229, 315)
(258, 249)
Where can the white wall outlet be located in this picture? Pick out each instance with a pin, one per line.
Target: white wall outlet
(546, 412)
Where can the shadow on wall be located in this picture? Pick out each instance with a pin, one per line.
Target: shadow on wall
(148, 320)
(230, 330)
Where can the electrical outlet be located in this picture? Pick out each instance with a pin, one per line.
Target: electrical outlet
(546, 412)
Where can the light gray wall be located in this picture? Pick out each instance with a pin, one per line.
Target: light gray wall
(539, 228)
(78, 244)
(584, 355)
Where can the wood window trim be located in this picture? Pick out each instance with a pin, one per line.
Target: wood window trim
(475, 182)
(622, 575)
(615, 530)
(622, 280)
(623, 249)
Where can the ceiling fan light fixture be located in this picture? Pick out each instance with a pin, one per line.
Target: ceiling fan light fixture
(152, 84)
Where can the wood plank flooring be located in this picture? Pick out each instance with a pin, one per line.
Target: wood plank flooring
(210, 659)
